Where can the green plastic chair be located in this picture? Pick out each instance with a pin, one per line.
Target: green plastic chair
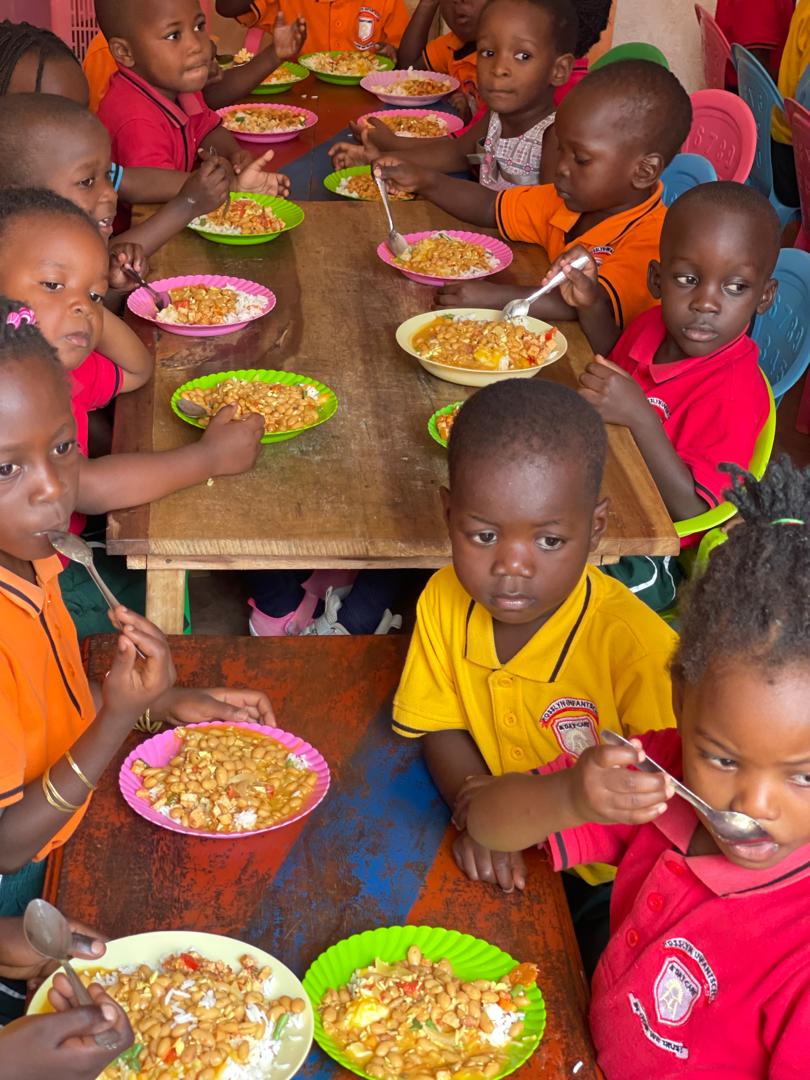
(631, 50)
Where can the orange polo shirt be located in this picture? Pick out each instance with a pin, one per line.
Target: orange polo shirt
(452, 56)
(45, 699)
(335, 24)
(99, 68)
(622, 244)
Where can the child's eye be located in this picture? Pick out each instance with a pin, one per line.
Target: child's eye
(485, 537)
(523, 56)
(550, 543)
(488, 53)
(52, 286)
(97, 298)
(8, 471)
(801, 780)
(62, 449)
(200, 25)
(173, 36)
(581, 160)
(721, 762)
(88, 182)
(688, 280)
(736, 288)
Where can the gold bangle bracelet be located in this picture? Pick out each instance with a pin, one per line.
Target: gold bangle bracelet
(147, 724)
(78, 771)
(53, 796)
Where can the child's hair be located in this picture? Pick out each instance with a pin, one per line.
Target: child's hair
(564, 24)
(592, 18)
(18, 39)
(114, 17)
(20, 338)
(651, 105)
(520, 419)
(17, 202)
(753, 602)
(731, 197)
(27, 123)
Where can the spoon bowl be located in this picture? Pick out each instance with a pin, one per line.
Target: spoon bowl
(397, 244)
(162, 299)
(517, 309)
(191, 408)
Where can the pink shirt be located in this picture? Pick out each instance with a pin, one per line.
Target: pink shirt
(707, 971)
(94, 383)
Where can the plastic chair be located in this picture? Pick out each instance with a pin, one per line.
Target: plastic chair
(724, 131)
(759, 92)
(799, 120)
(716, 50)
(783, 333)
(685, 171)
(631, 50)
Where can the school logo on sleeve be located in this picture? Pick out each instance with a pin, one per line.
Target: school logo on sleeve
(574, 721)
(676, 992)
(600, 253)
(661, 405)
(367, 21)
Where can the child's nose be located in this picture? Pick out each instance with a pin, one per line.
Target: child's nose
(757, 798)
(706, 299)
(50, 484)
(514, 561)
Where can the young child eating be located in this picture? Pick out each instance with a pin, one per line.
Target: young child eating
(708, 967)
(521, 649)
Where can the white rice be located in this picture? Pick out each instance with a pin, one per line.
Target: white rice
(502, 1021)
(344, 189)
(263, 1053)
(247, 307)
(298, 761)
(246, 819)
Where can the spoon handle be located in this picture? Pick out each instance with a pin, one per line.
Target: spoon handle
(107, 1039)
(378, 180)
(109, 596)
(558, 279)
(648, 765)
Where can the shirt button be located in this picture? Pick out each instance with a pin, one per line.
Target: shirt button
(505, 680)
(517, 753)
(676, 868)
(509, 719)
(655, 902)
(631, 937)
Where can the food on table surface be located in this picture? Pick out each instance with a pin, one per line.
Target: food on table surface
(416, 127)
(240, 217)
(362, 186)
(445, 421)
(200, 1018)
(283, 74)
(264, 119)
(344, 63)
(226, 779)
(447, 257)
(209, 305)
(413, 87)
(415, 1018)
(461, 341)
(244, 56)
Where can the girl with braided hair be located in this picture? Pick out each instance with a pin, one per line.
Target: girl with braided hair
(33, 60)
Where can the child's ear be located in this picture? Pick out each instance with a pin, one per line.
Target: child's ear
(654, 278)
(122, 52)
(444, 495)
(648, 170)
(561, 71)
(767, 298)
(599, 522)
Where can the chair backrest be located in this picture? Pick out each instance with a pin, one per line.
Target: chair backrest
(685, 171)
(783, 332)
(631, 50)
(799, 120)
(759, 92)
(724, 131)
(716, 50)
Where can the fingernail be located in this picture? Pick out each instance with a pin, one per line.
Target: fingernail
(97, 948)
(661, 808)
(108, 1012)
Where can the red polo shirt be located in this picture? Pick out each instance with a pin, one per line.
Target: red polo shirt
(712, 407)
(755, 24)
(93, 384)
(147, 129)
(707, 971)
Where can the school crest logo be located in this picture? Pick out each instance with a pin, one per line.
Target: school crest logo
(574, 722)
(676, 992)
(366, 22)
(661, 405)
(600, 253)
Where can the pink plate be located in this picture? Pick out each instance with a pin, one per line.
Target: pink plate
(160, 749)
(501, 252)
(270, 136)
(454, 123)
(377, 79)
(141, 303)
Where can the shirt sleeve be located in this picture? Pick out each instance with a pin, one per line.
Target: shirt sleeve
(624, 273)
(588, 844)
(523, 213)
(12, 745)
(100, 380)
(642, 691)
(261, 12)
(435, 55)
(785, 1028)
(143, 144)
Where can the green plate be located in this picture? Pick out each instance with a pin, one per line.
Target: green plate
(433, 429)
(326, 410)
(386, 64)
(298, 73)
(471, 958)
(289, 212)
(332, 181)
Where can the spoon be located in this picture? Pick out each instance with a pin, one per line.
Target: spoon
(397, 244)
(162, 299)
(516, 309)
(47, 932)
(191, 408)
(729, 825)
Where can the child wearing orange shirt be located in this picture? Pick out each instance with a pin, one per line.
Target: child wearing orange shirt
(331, 24)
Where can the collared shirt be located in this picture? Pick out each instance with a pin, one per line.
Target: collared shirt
(708, 966)
(712, 407)
(147, 129)
(512, 161)
(45, 698)
(622, 244)
(335, 24)
(99, 67)
(450, 55)
(795, 59)
(93, 384)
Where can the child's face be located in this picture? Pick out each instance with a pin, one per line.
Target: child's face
(168, 45)
(521, 534)
(59, 267)
(746, 747)
(462, 16)
(60, 75)
(79, 170)
(39, 461)
(517, 59)
(712, 279)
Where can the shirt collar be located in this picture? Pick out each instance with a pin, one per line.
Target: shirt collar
(644, 348)
(463, 49)
(172, 109)
(30, 597)
(565, 219)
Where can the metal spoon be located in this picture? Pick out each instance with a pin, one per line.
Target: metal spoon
(729, 825)
(162, 299)
(516, 309)
(397, 244)
(191, 408)
(47, 932)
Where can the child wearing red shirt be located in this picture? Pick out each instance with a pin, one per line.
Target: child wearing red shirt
(761, 26)
(707, 971)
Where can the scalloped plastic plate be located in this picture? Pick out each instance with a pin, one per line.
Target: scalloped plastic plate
(269, 136)
(387, 64)
(501, 252)
(376, 79)
(433, 427)
(289, 212)
(471, 957)
(141, 303)
(161, 748)
(298, 74)
(333, 179)
(453, 123)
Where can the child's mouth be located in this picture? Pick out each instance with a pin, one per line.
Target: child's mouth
(512, 601)
(105, 226)
(759, 851)
(699, 333)
(81, 339)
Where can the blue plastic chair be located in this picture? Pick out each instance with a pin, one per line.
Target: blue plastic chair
(783, 332)
(685, 171)
(759, 92)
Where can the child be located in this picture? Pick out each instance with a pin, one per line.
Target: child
(615, 133)
(795, 59)
(521, 649)
(708, 967)
(761, 26)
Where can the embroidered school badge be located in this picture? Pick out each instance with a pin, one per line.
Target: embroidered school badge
(366, 21)
(574, 722)
(661, 405)
(675, 993)
(600, 253)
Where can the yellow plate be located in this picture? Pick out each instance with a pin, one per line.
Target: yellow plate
(476, 376)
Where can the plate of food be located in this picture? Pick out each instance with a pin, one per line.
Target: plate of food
(224, 780)
(266, 123)
(204, 305)
(439, 1003)
(409, 87)
(285, 76)
(356, 182)
(345, 68)
(290, 404)
(475, 346)
(441, 423)
(416, 123)
(248, 219)
(449, 255)
(197, 984)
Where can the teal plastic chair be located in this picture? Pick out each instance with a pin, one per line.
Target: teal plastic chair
(783, 332)
(685, 171)
(631, 50)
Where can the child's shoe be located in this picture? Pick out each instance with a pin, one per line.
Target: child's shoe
(327, 623)
(319, 585)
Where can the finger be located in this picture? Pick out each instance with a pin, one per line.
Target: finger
(131, 619)
(484, 864)
(592, 382)
(464, 852)
(601, 361)
(502, 869)
(71, 1022)
(85, 941)
(518, 869)
(265, 158)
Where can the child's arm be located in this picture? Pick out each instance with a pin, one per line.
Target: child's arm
(468, 201)
(147, 185)
(585, 297)
(124, 348)
(442, 154)
(240, 80)
(416, 35)
(232, 9)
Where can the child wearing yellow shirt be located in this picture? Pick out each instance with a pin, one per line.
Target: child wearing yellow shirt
(795, 58)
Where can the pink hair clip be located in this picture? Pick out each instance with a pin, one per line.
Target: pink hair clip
(25, 316)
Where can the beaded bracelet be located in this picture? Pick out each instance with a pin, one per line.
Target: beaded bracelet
(78, 771)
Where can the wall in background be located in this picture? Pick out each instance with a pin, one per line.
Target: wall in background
(37, 12)
(669, 24)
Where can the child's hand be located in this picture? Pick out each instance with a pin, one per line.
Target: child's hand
(207, 188)
(256, 178)
(605, 790)
(180, 706)
(375, 135)
(122, 255)
(346, 154)
(581, 289)
(615, 395)
(403, 175)
(504, 868)
(232, 445)
(288, 38)
(240, 161)
(461, 103)
(19, 961)
(465, 294)
(382, 48)
(133, 684)
(466, 793)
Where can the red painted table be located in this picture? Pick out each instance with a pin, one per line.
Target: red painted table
(375, 853)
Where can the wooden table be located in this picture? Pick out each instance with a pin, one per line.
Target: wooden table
(375, 853)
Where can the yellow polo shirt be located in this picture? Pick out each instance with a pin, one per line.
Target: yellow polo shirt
(795, 58)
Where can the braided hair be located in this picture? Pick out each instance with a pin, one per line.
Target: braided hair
(21, 339)
(593, 16)
(18, 39)
(753, 602)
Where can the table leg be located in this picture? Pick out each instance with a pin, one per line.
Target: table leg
(165, 599)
